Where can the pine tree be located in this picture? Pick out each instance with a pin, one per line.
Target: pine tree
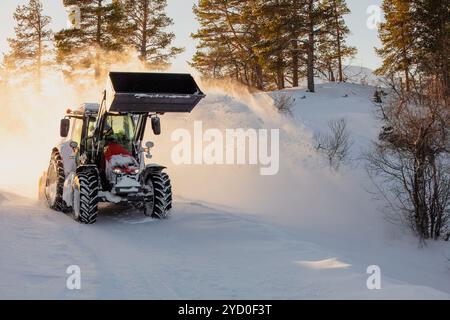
(228, 37)
(248, 33)
(297, 29)
(332, 47)
(397, 38)
(275, 39)
(284, 33)
(216, 54)
(431, 38)
(339, 10)
(312, 22)
(415, 40)
(30, 47)
(102, 30)
(149, 21)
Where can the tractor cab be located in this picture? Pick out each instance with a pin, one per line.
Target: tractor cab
(120, 129)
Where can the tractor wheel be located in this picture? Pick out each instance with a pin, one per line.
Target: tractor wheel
(161, 202)
(54, 183)
(85, 197)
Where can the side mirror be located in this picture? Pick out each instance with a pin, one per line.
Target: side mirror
(64, 128)
(156, 126)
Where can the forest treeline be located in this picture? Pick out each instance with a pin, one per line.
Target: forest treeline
(265, 44)
(275, 43)
(104, 33)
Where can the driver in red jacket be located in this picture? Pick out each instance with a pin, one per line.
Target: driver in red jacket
(112, 148)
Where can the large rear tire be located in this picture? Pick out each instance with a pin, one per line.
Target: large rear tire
(54, 183)
(85, 194)
(160, 203)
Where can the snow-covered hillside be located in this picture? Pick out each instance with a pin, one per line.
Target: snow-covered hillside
(307, 232)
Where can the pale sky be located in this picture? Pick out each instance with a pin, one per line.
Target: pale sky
(180, 11)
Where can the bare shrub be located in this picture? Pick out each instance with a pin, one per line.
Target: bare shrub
(410, 163)
(336, 144)
(284, 103)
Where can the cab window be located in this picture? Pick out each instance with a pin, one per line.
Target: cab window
(77, 130)
(91, 127)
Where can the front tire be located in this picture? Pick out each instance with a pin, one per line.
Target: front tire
(161, 202)
(85, 202)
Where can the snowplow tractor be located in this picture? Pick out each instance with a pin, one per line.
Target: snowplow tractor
(101, 157)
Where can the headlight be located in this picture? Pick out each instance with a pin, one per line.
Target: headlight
(117, 171)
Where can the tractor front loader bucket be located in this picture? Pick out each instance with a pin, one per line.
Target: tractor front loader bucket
(153, 92)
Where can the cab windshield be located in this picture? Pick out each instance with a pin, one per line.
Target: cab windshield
(121, 130)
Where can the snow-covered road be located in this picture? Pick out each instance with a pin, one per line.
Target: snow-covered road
(202, 251)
